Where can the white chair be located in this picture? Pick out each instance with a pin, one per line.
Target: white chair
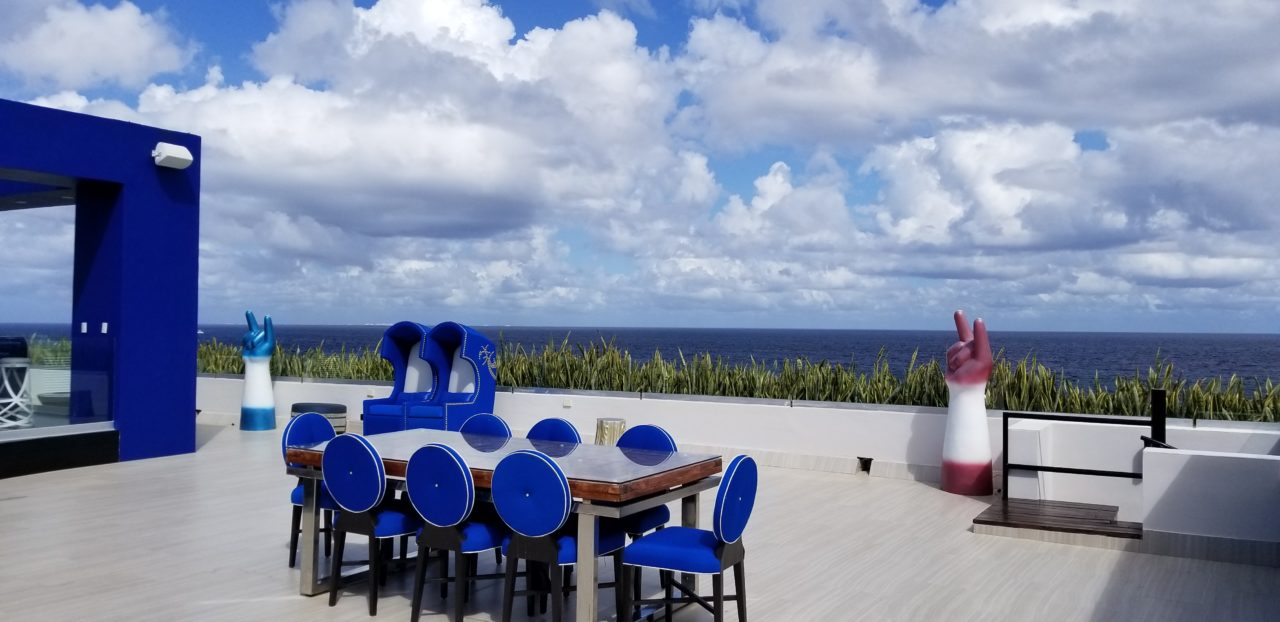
(15, 393)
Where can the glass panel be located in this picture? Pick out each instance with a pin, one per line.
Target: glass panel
(597, 463)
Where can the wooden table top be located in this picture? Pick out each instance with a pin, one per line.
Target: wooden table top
(596, 473)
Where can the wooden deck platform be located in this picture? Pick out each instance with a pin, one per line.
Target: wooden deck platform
(1061, 516)
(204, 537)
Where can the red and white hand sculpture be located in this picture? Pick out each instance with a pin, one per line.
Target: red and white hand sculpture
(966, 450)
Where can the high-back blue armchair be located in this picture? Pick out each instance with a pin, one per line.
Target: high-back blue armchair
(415, 378)
(450, 375)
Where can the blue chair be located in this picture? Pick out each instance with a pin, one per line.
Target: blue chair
(698, 551)
(357, 481)
(442, 376)
(555, 430)
(308, 429)
(415, 379)
(486, 424)
(443, 493)
(646, 438)
(532, 497)
(649, 438)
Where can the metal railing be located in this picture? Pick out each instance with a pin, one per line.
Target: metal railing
(1156, 422)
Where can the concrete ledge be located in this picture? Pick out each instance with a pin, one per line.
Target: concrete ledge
(1211, 548)
(1057, 537)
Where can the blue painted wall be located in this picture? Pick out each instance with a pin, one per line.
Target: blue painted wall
(136, 267)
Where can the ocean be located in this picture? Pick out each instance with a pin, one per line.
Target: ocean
(1078, 355)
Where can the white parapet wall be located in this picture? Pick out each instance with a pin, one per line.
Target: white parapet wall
(903, 442)
(1213, 505)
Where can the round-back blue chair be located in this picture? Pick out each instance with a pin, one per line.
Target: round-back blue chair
(699, 551)
(531, 494)
(554, 429)
(487, 425)
(655, 439)
(353, 471)
(646, 438)
(308, 429)
(443, 493)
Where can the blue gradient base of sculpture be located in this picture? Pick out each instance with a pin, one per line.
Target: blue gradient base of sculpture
(257, 419)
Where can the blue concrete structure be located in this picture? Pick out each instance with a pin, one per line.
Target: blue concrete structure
(133, 337)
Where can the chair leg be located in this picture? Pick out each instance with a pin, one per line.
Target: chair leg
(404, 551)
(294, 529)
(460, 564)
(328, 533)
(740, 590)
(626, 611)
(473, 562)
(508, 590)
(667, 607)
(531, 582)
(335, 567)
(717, 595)
(557, 590)
(621, 587)
(375, 573)
(497, 557)
(444, 573)
(419, 577)
(388, 550)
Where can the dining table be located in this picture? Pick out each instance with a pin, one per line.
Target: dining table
(605, 482)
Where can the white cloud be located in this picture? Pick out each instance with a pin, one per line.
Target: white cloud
(74, 46)
(830, 72)
(421, 158)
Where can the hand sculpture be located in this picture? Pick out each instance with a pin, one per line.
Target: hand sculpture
(258, 342)
(966, 451)
(969, 359)
(258, 408)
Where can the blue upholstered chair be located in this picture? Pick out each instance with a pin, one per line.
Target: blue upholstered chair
(637, 443)
(486, 424)
(447, 374)
(699, 551)
(308, 429)
(415, 378)
(532, 497)
(356, 479)
(648, 438)
(444, 495)
(554, 429)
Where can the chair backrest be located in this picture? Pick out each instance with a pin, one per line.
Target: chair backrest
(419, 375)
(462, 374)
(305, 429)
(735, 499)
(440, 485)
(486, 424)
(647, 436)
(402, 347)
(554, 429)
(531, 493)
(353, 473)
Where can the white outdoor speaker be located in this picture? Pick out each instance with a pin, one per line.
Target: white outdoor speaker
(172, 156)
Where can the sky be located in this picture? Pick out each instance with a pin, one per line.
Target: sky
(1046, 164)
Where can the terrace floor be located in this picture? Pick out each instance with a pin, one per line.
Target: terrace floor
(204, 537)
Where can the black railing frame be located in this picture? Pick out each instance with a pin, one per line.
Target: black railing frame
(1156, 422)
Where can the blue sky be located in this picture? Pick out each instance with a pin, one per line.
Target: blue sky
(1049, 164)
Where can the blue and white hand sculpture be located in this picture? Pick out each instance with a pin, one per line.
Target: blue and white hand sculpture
(258, 408)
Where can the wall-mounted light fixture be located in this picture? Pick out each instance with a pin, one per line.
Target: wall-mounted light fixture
(172, 156)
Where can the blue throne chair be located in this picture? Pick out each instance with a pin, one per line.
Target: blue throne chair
(442, 376)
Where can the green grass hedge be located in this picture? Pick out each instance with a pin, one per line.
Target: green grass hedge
(1015, 385)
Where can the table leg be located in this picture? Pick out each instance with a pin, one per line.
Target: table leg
(587, 584)
(689, 518)
(311, 582)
